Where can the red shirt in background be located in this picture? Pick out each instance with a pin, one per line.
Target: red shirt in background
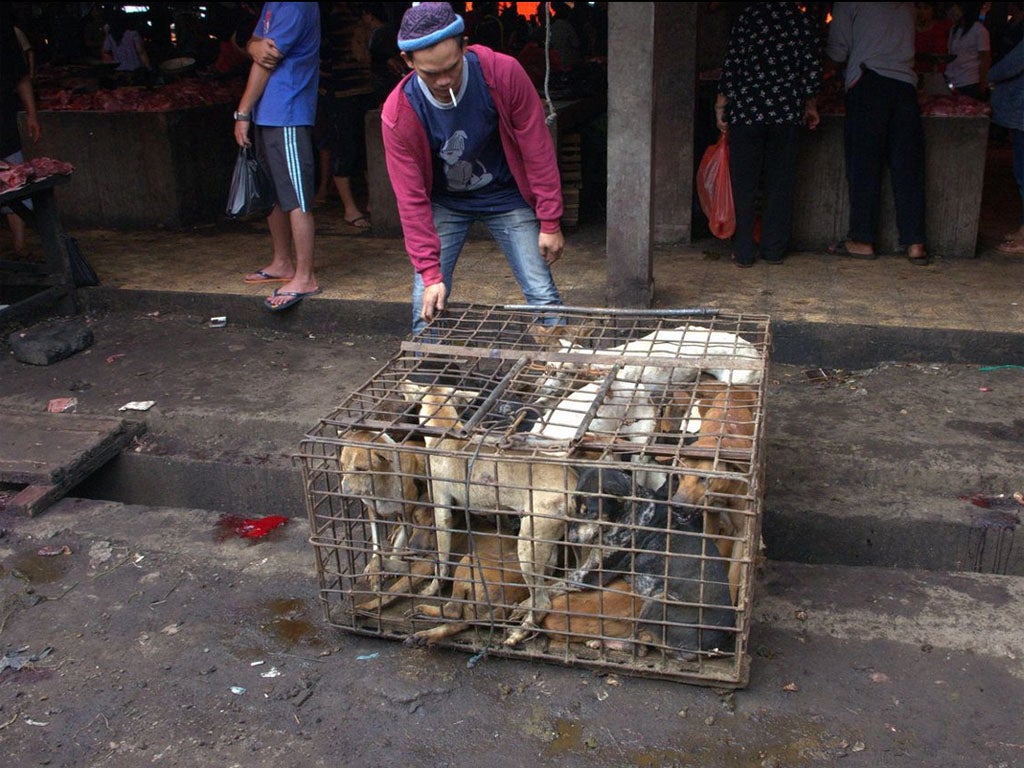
(935, 39)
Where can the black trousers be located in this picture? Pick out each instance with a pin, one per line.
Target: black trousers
(883, 127)
(767, 152)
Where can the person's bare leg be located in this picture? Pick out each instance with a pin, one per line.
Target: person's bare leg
(352, 212)
(17, 226)
(303, 230)
(282, 263)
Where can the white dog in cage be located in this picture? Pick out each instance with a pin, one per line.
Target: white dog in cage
(680, 356)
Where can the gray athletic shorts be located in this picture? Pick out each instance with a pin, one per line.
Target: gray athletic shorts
(286, 153)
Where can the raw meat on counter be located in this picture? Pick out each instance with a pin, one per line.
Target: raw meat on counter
(953, 105)
(38, 168)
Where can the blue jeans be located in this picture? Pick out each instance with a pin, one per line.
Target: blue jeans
(517, 233)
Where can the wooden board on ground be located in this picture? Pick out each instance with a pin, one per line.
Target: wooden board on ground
(50, 453)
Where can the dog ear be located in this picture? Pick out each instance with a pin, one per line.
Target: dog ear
(381, 457)
(617, 483)
(411, 391)
(465, 397)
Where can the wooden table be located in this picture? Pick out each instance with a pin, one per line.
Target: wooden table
(31, 289)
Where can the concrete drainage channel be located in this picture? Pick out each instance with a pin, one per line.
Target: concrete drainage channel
(908, 464)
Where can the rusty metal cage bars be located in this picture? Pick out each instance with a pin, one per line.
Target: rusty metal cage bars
(491, 357)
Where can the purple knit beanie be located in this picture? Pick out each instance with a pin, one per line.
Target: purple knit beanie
(428, 24)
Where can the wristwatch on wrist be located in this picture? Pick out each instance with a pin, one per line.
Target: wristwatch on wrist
(243, 116)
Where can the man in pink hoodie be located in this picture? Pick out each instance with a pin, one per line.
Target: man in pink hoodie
(465, 140)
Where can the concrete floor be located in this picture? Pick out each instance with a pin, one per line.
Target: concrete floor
(981, 294)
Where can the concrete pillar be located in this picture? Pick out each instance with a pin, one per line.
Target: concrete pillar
(675, 91)
(383, 208)
(631, 35)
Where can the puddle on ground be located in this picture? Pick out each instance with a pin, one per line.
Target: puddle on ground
(568, 738)
(288, 622)
(37, 569)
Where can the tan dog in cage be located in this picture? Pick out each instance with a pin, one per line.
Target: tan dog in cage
(537, 491)
(389, 481)
(727, 422)
(487, 588)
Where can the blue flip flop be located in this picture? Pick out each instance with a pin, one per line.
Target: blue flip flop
(294, 297)
(266, 277)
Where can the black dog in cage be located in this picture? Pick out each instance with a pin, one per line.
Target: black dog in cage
(628, 531)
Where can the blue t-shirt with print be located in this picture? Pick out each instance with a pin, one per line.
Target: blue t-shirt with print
(291, 93)
(470, 170)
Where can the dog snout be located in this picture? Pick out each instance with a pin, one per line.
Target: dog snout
(581, 533)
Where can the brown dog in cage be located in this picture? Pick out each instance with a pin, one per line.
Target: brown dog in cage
(627, 532)
(487, 588)
(469, 475)
(727, 423)
(389, 482)
(598, 618)
(416, 567)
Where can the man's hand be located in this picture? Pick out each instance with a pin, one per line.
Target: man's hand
(811, 117)
(433, 301)
(242, 133)
(721, 102)
(264, 52)
(551, 246)
(35, 131)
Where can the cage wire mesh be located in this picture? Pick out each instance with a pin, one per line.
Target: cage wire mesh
(573, 485)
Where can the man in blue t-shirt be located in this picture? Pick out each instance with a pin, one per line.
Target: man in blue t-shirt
(280, 101)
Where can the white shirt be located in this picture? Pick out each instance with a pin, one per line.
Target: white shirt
(965, 69)
(879, 36)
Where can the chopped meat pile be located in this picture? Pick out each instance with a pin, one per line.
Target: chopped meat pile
(953, 105)
(36, 169)
(136, 98)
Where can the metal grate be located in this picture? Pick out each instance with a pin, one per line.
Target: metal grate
(594, 476)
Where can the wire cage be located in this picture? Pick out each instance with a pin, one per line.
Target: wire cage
(574, 485)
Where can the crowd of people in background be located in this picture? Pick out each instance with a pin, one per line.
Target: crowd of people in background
(880, 57)
(964, 48)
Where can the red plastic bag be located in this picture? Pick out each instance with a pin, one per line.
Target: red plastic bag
(714, 189)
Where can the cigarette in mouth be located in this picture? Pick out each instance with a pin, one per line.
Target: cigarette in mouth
(455, 103)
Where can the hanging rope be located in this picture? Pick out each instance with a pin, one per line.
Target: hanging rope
(547, 64)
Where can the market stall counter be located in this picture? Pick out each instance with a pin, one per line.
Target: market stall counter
(145, 156)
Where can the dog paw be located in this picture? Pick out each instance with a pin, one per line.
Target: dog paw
(619, 645)
(521, 634)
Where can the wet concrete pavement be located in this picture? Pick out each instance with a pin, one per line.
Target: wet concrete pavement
(874, 641)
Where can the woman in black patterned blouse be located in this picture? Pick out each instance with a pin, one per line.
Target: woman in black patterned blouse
(770, 81)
